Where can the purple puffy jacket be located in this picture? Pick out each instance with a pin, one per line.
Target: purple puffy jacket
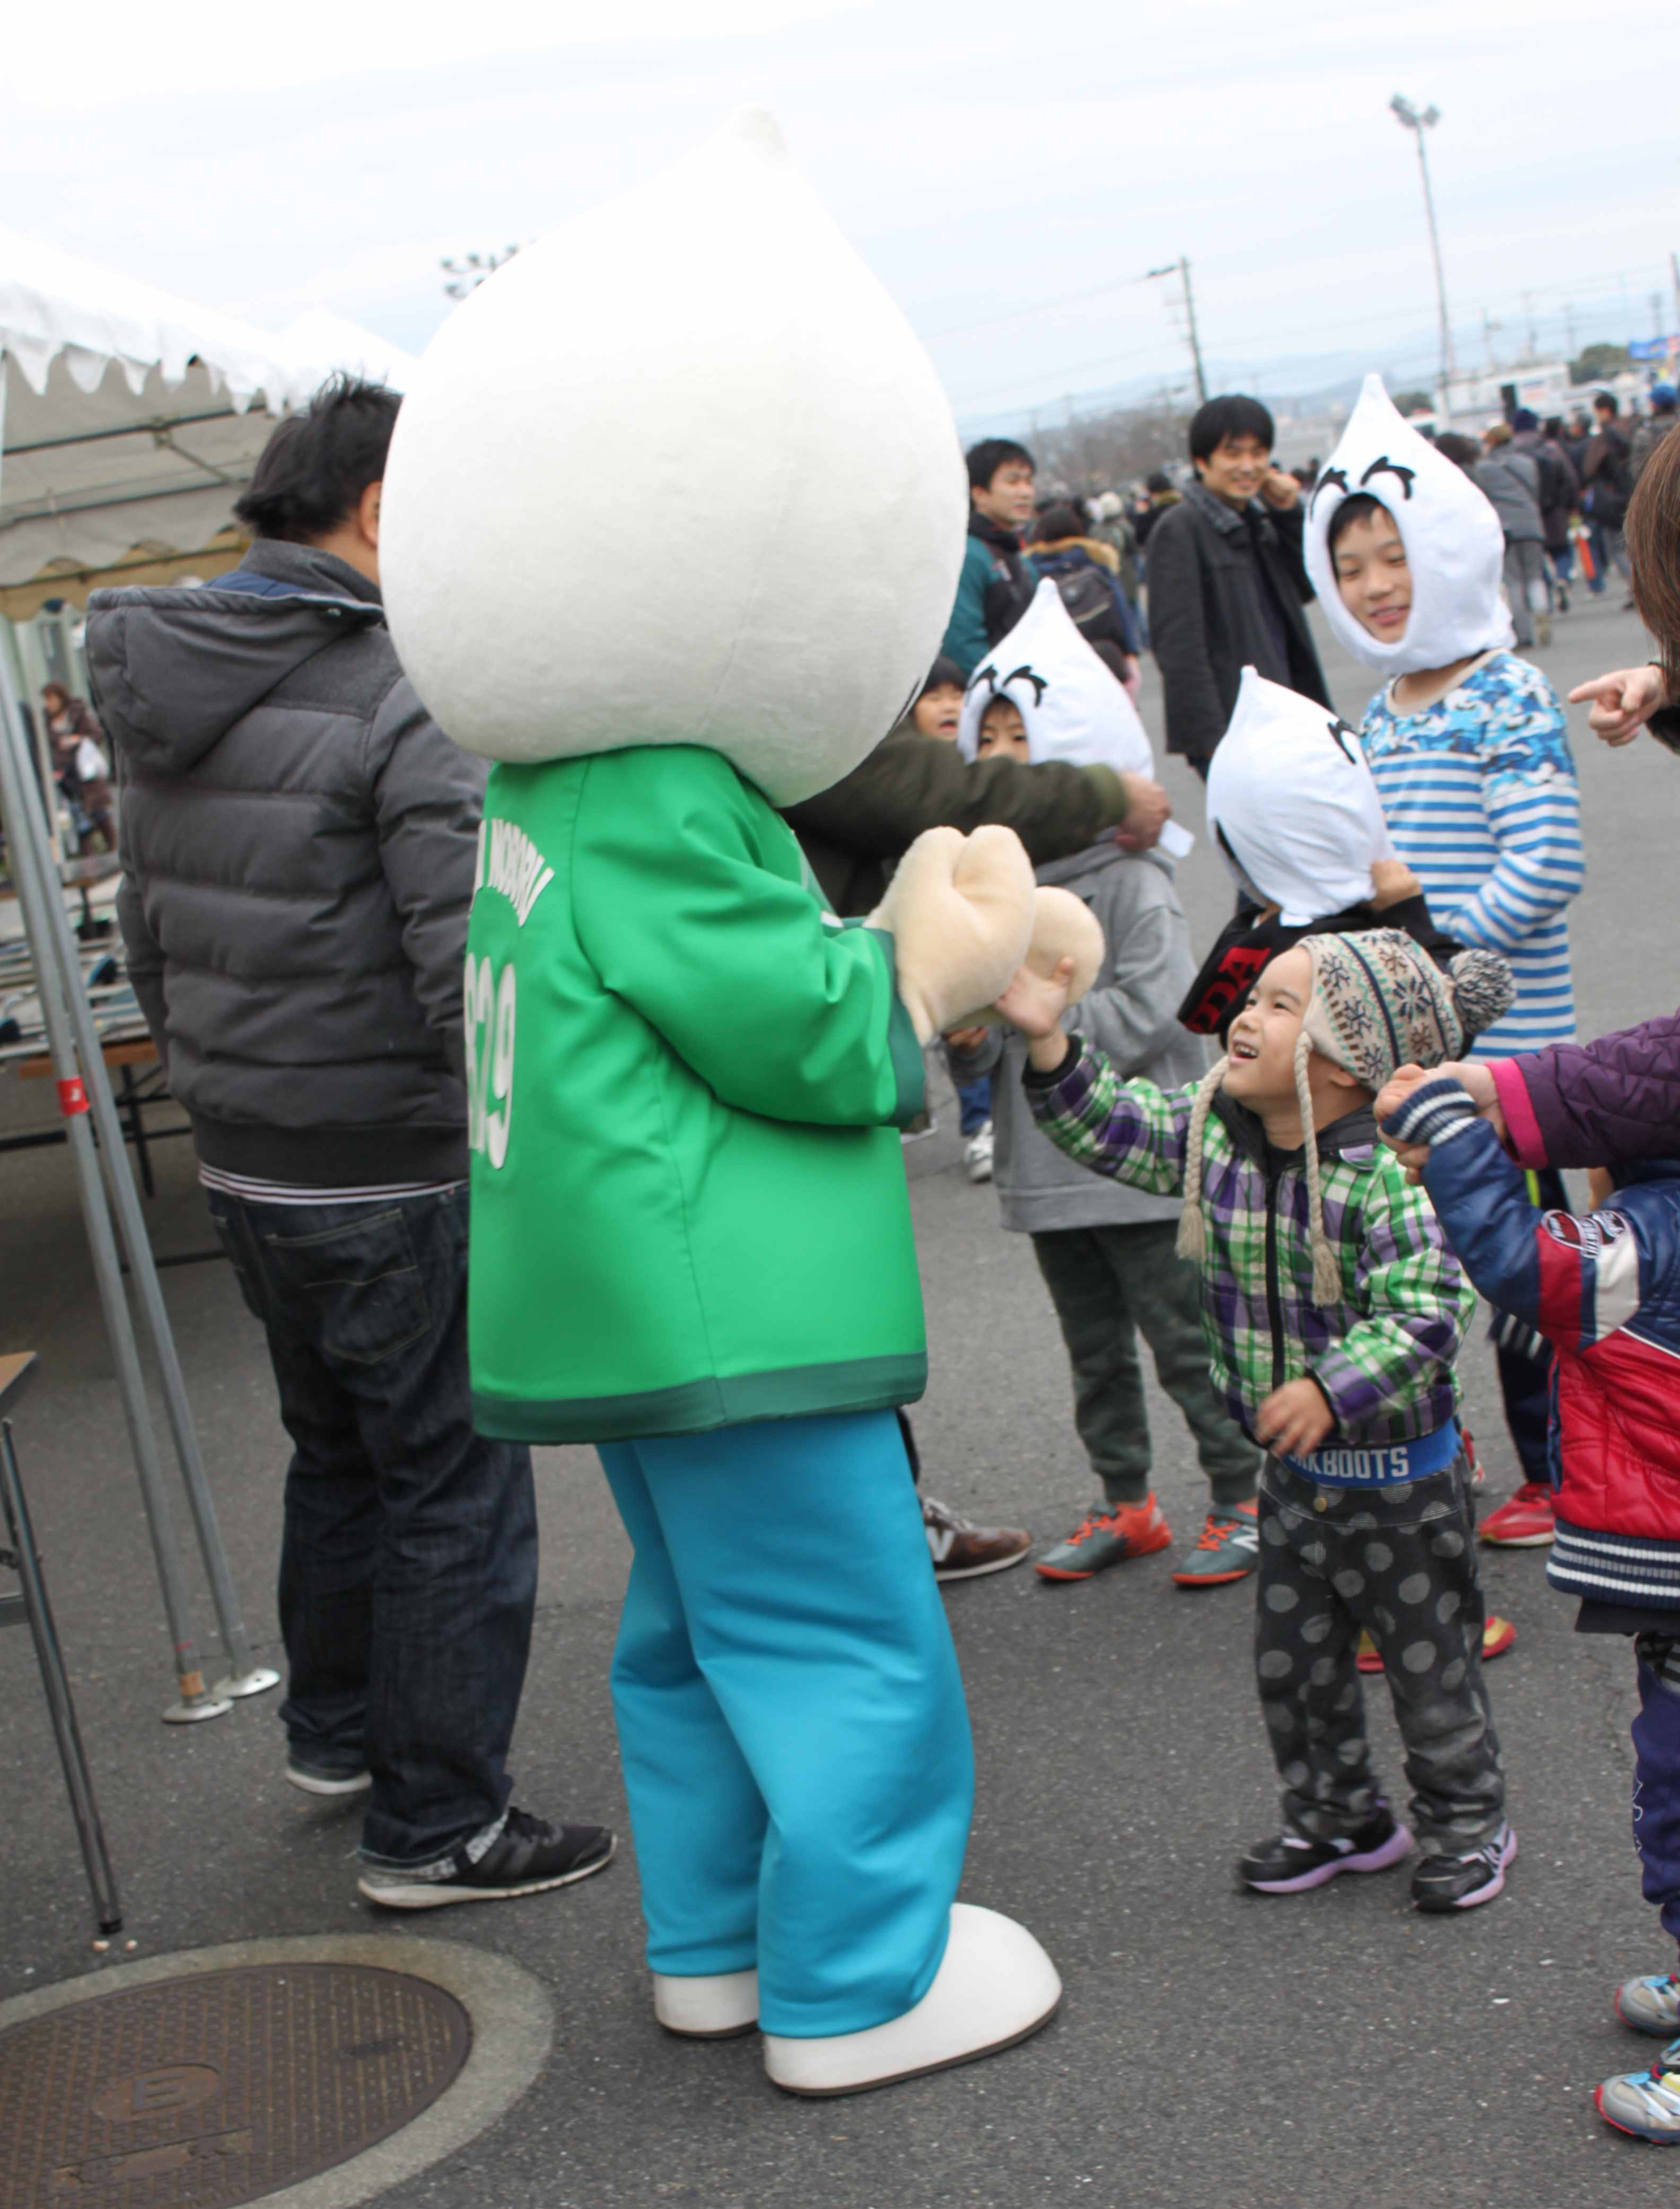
(1583, 1103)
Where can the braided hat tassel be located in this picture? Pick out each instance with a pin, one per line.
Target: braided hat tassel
(1325, 1272)
(1192, 1228)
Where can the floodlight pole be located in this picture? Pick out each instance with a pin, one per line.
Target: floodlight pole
(1419, 121)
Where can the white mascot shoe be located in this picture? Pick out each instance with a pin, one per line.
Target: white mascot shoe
(715, 2007)
(995, 1987)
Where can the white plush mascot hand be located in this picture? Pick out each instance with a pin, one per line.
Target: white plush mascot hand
(960, 911)
(1063, 927)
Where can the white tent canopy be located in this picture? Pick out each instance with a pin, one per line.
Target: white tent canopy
(132, 420)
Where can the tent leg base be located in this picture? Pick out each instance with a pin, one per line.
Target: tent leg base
(193, 1712)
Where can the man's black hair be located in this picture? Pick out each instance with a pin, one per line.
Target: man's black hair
(1552, 427)
(943, 672)
(1232, 415)
(316, 466)
(1160, 481)
(1359, 507)
(1608, 401)
(992, 453)
(1463, 452)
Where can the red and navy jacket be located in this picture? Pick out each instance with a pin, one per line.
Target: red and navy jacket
(1605, 1290)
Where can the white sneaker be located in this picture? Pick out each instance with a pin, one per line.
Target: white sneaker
(995, 1986)
(712, 2008)
(976, 1157)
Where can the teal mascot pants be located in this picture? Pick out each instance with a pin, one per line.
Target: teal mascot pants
(791, 1716)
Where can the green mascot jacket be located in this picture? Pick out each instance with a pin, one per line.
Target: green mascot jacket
(689, 1207)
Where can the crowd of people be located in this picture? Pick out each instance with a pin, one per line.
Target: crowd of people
(1297, 1230)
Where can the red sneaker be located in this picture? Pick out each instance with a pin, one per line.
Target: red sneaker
(1498, 1635)
(1526, 1522)
(1105, 1537)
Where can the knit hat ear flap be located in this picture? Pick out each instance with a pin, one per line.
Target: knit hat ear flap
(1192, 1228)
(1325, 1272)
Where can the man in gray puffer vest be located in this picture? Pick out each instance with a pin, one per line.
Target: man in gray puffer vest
(299, 844)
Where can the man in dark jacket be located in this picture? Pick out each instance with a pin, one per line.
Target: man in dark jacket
(1607, 484)
(996, 585)
(1227, 585)
(299, 841)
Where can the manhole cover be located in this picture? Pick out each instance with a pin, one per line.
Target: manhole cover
(199, 2092)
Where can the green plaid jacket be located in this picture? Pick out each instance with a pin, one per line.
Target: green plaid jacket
(1384, 1354)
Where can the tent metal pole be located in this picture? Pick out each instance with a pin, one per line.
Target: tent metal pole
(245, 1678)
(38, 893)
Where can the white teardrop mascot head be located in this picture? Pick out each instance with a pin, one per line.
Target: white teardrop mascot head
(1070, 704)
(707, 356)
(1292, 805)
(1454, 546)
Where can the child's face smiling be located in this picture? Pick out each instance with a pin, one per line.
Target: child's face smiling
(937, 712)
(1003, 732)
(1264, 1034)
(1373, 576)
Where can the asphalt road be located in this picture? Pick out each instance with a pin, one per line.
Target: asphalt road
(1213, 2048)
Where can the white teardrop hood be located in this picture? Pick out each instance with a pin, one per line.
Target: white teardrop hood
(678, 473)
(1071, 706)
(1454, 546)
(1293, 804)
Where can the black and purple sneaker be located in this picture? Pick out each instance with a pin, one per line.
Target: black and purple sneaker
(1290, 1863)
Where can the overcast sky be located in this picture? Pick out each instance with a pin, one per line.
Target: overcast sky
(984, 159)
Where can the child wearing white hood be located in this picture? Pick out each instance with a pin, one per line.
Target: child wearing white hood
(1106, 1252)
(1469, 750)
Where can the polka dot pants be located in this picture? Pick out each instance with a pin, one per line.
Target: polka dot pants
(1400, 1562)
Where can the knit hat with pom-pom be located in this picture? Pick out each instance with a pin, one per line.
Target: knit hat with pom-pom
(1378, 1001)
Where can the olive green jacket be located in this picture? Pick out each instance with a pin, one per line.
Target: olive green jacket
(855, 834)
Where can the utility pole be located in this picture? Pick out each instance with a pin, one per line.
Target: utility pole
(1528, 309)
(1420, 120)
(1181, 269)
(1569, 330)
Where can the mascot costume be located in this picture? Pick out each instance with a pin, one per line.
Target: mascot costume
(690, 1235)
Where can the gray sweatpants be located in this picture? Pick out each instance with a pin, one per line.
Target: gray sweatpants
(1402, 1562)
(1110, 1285)
(1527, 584)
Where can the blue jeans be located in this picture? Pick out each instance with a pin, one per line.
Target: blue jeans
(1657, 1779)
(974, 1104)
(791, 1716)
(408, 1563)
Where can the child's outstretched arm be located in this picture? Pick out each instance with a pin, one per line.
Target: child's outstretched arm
(1573, 1280)
(1132, 1131)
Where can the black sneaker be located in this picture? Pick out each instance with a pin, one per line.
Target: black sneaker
(327, 1772)
(525, 1856)
(1290, 1863)
(1443, 1883)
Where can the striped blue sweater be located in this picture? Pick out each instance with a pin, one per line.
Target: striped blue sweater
(1482, 800)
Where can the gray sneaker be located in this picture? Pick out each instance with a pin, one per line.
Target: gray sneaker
(1651, 2005)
